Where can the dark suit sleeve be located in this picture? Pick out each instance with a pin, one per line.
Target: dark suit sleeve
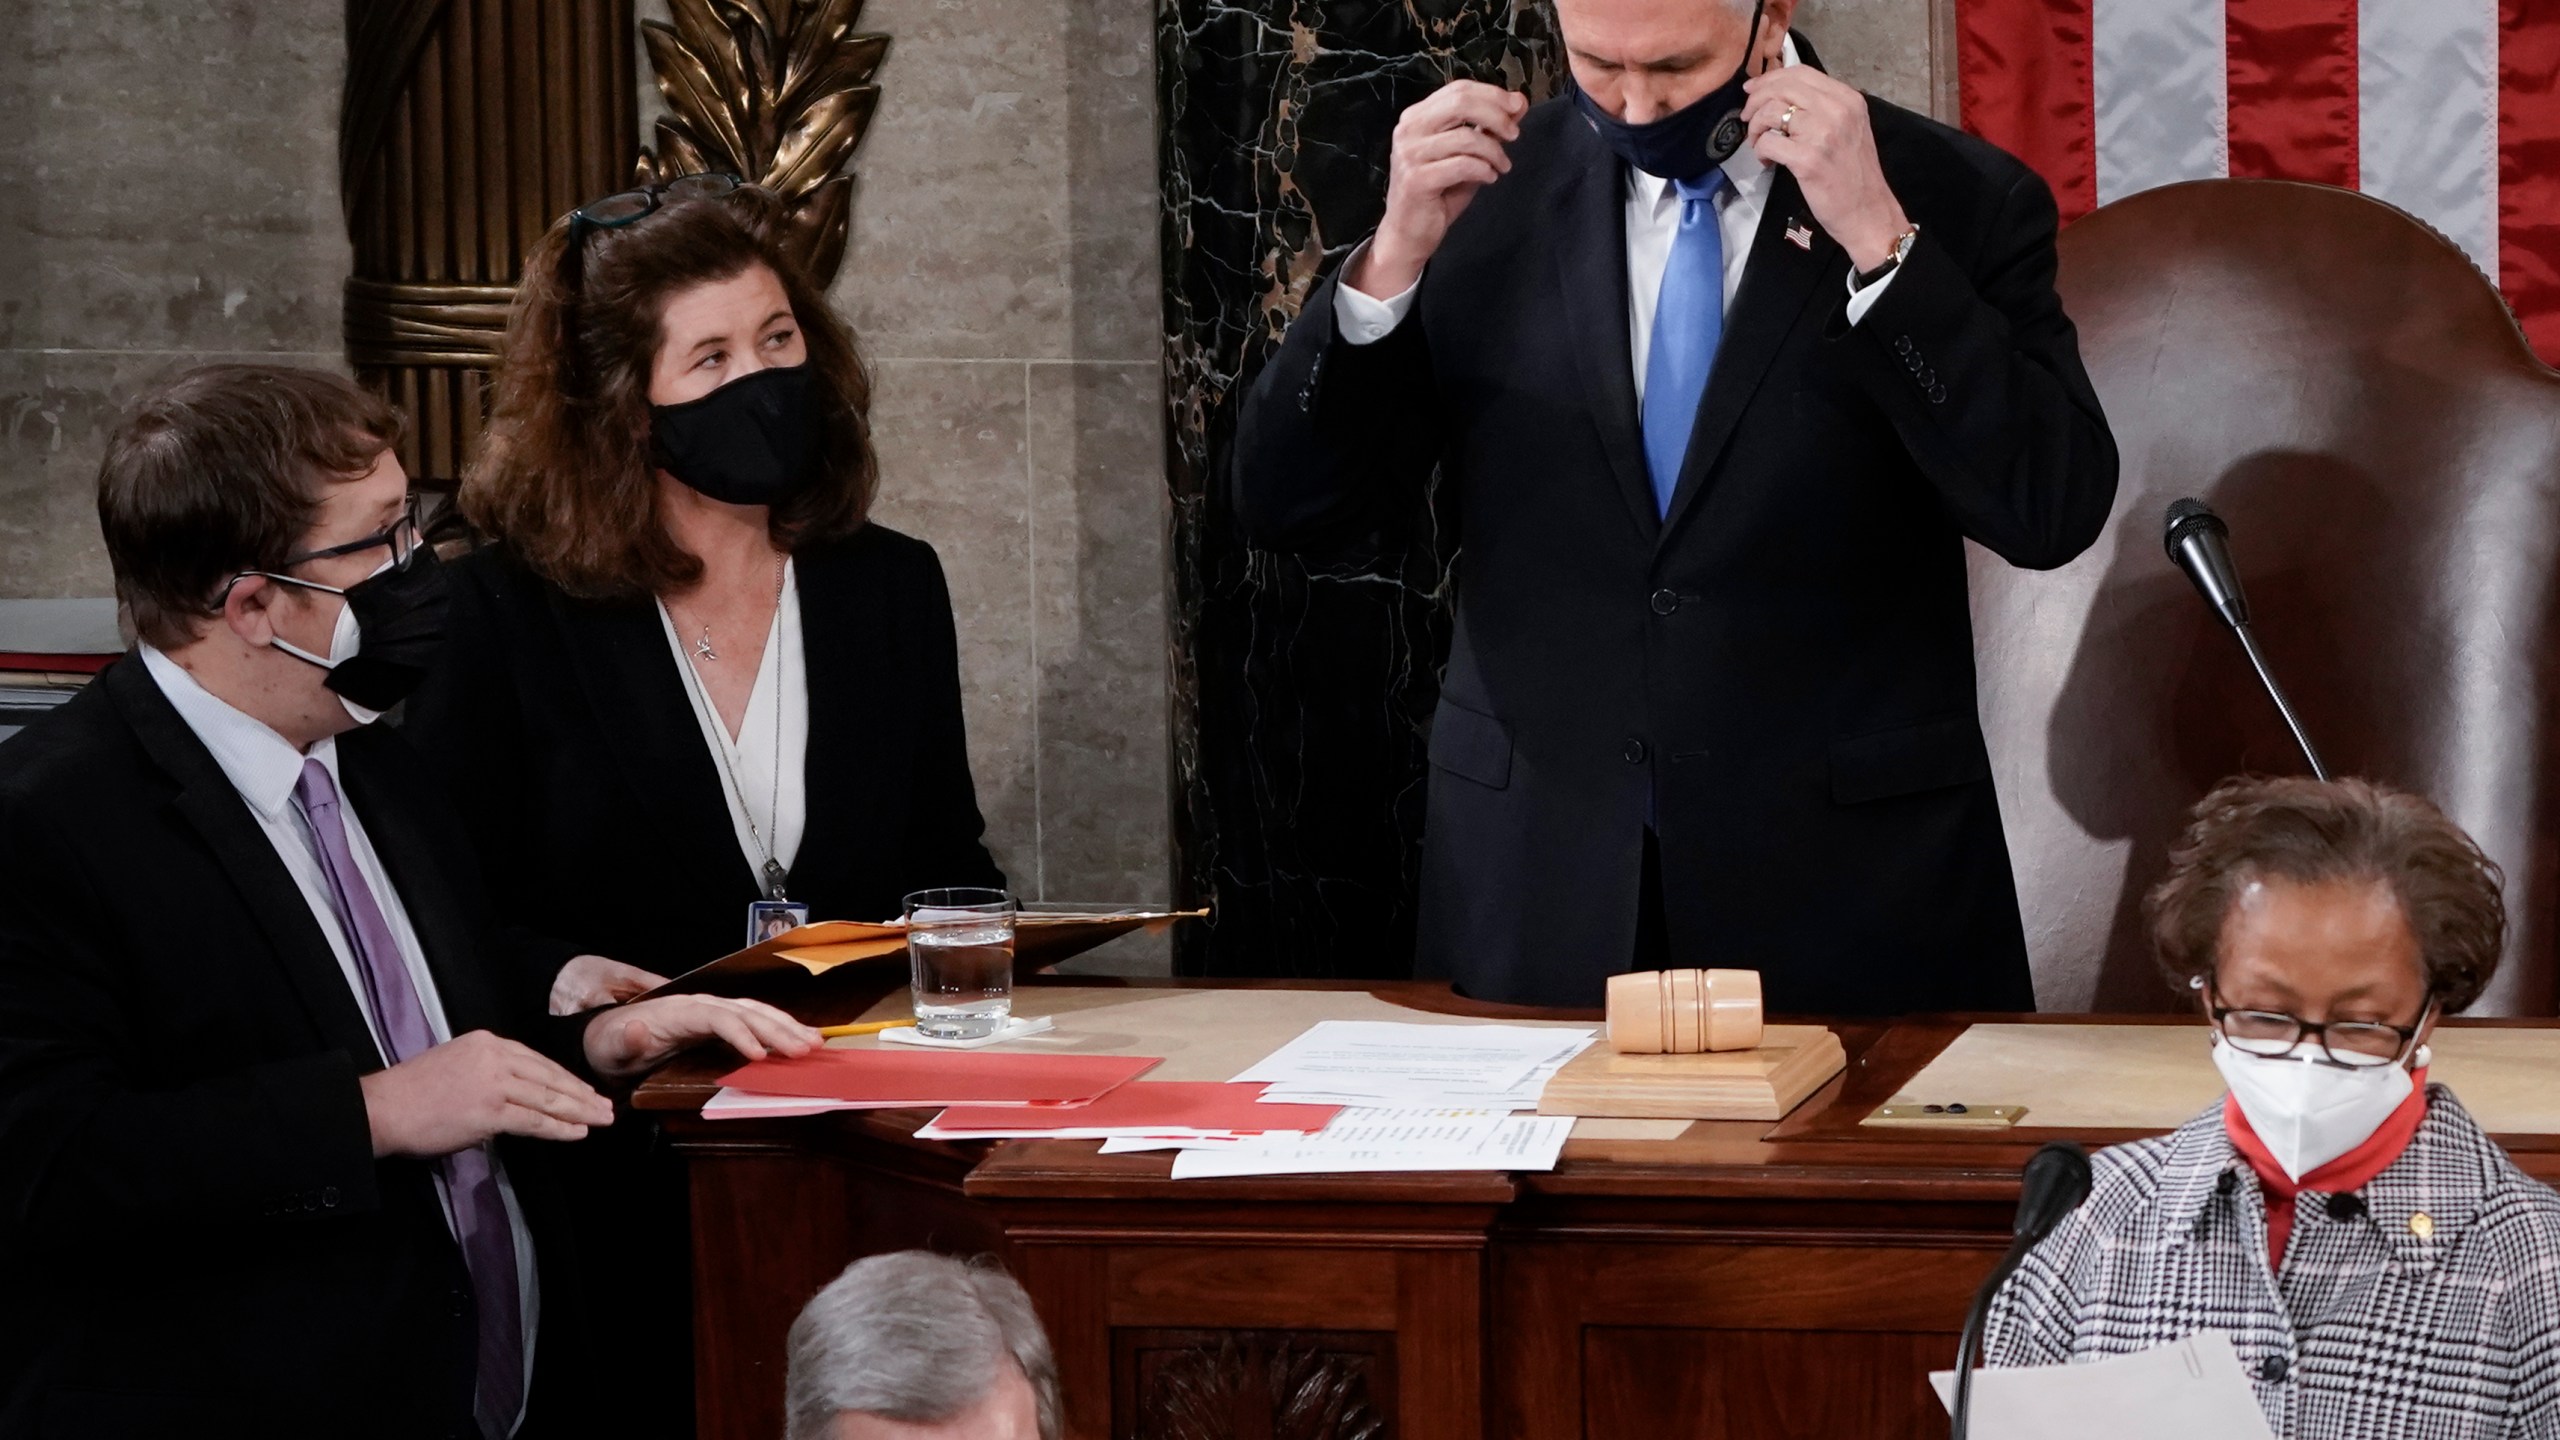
(1981, 377)
(945, 843)
(466, 718)
(87, 1141)
(1335, 439)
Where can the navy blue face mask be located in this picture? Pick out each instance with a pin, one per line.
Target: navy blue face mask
(1691, 140)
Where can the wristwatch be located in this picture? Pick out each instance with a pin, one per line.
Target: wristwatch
(1901, 252)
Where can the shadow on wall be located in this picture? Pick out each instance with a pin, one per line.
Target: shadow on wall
(2126, 760)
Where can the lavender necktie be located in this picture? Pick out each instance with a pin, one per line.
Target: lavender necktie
(469, 1177)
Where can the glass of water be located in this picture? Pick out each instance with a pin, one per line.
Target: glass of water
(960, 957)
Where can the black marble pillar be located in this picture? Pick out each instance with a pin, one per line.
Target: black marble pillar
(1302, 689)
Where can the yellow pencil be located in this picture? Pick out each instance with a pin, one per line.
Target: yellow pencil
(868, 1027)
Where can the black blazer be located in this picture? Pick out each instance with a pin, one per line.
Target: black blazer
(568, 740)
(195, 1236)
(1786, 661)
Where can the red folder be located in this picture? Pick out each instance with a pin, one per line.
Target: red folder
(904, 1079)
(1151, 1104)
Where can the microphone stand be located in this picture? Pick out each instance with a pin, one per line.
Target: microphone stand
(2056, 1180)
(1969, 1347)
(2195, 542)
(2275, 692)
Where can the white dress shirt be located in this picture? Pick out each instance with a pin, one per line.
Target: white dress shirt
(264, 767)
(763, 772)
(1652, 223)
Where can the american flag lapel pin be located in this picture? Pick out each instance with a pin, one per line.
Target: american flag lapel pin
(1799, 233)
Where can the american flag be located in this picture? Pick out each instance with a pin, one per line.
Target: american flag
(2449, 109)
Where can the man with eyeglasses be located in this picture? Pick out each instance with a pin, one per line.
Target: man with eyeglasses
(270, 1079)
(2383, 1269)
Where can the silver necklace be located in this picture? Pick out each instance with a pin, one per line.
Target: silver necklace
(772, 876)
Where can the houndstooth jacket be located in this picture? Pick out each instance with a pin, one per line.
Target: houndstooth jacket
(2427, 1307)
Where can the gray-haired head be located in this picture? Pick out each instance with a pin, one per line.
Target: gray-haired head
(916, 1337)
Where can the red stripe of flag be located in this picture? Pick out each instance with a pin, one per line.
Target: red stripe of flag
(2024, 80)
(2529, 169)
(2293, 89)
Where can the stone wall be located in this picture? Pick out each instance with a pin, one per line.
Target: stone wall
(168, 194)
(1002, 276)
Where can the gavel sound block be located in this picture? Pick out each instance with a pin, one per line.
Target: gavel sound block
(1690, 1045)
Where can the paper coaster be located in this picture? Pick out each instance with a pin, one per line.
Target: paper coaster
(1013, 1029)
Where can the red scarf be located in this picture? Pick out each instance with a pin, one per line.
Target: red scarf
(2343, 1176)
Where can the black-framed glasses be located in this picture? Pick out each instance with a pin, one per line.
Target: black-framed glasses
(626, 208)
(403, 537)
(630, 207)
(2356, 1044)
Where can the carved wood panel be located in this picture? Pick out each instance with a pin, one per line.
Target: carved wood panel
(1178, 1384)
(1762, 1384)
(469, 126)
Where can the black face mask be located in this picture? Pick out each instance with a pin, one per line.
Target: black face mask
(1691, 140)
(750, 442)
(392, 629)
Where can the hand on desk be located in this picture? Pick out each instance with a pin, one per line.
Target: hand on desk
(591, 982)
(625, 1041)
(472, 1088)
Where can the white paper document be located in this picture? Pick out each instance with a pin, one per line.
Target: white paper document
(1415, 1067)
(1386, 1140)
(2190, 1390)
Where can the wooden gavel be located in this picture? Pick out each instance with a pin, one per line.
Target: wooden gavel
(1682, 1012)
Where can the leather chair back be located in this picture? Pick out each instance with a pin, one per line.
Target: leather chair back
(2349, 392)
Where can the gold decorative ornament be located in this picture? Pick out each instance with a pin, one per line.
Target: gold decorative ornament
(424, 322)
(2423, 1225)
(775, 92)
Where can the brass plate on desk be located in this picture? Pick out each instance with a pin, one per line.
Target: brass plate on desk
(1953, 1116)
(1791, 1063)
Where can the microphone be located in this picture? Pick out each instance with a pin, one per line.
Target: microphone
(2198, 543)
(2055, 1182)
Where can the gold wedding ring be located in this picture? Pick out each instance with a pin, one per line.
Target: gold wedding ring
(1787, 123)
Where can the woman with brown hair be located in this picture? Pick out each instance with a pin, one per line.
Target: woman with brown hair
(689, 680)
(2383, 1269)
(690, 676)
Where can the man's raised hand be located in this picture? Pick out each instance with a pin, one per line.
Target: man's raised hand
(1446, 148)
(1817, 127)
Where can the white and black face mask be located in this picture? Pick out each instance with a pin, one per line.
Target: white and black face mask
(389, 632)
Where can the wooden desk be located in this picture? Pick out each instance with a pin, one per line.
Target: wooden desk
(1741, 1280)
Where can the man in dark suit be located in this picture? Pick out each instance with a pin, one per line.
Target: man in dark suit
(1720, 362)
(267, 1165)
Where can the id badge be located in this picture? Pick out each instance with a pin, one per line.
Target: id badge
(769, 918)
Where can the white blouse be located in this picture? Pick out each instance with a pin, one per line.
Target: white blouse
(765, 773)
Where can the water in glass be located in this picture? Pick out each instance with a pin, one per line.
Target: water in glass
(960, 952)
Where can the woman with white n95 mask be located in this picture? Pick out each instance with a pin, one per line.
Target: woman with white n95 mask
(2381, 1266)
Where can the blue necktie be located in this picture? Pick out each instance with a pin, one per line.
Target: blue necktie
(1688, 322)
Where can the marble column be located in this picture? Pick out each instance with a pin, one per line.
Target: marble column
(1302, 692)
